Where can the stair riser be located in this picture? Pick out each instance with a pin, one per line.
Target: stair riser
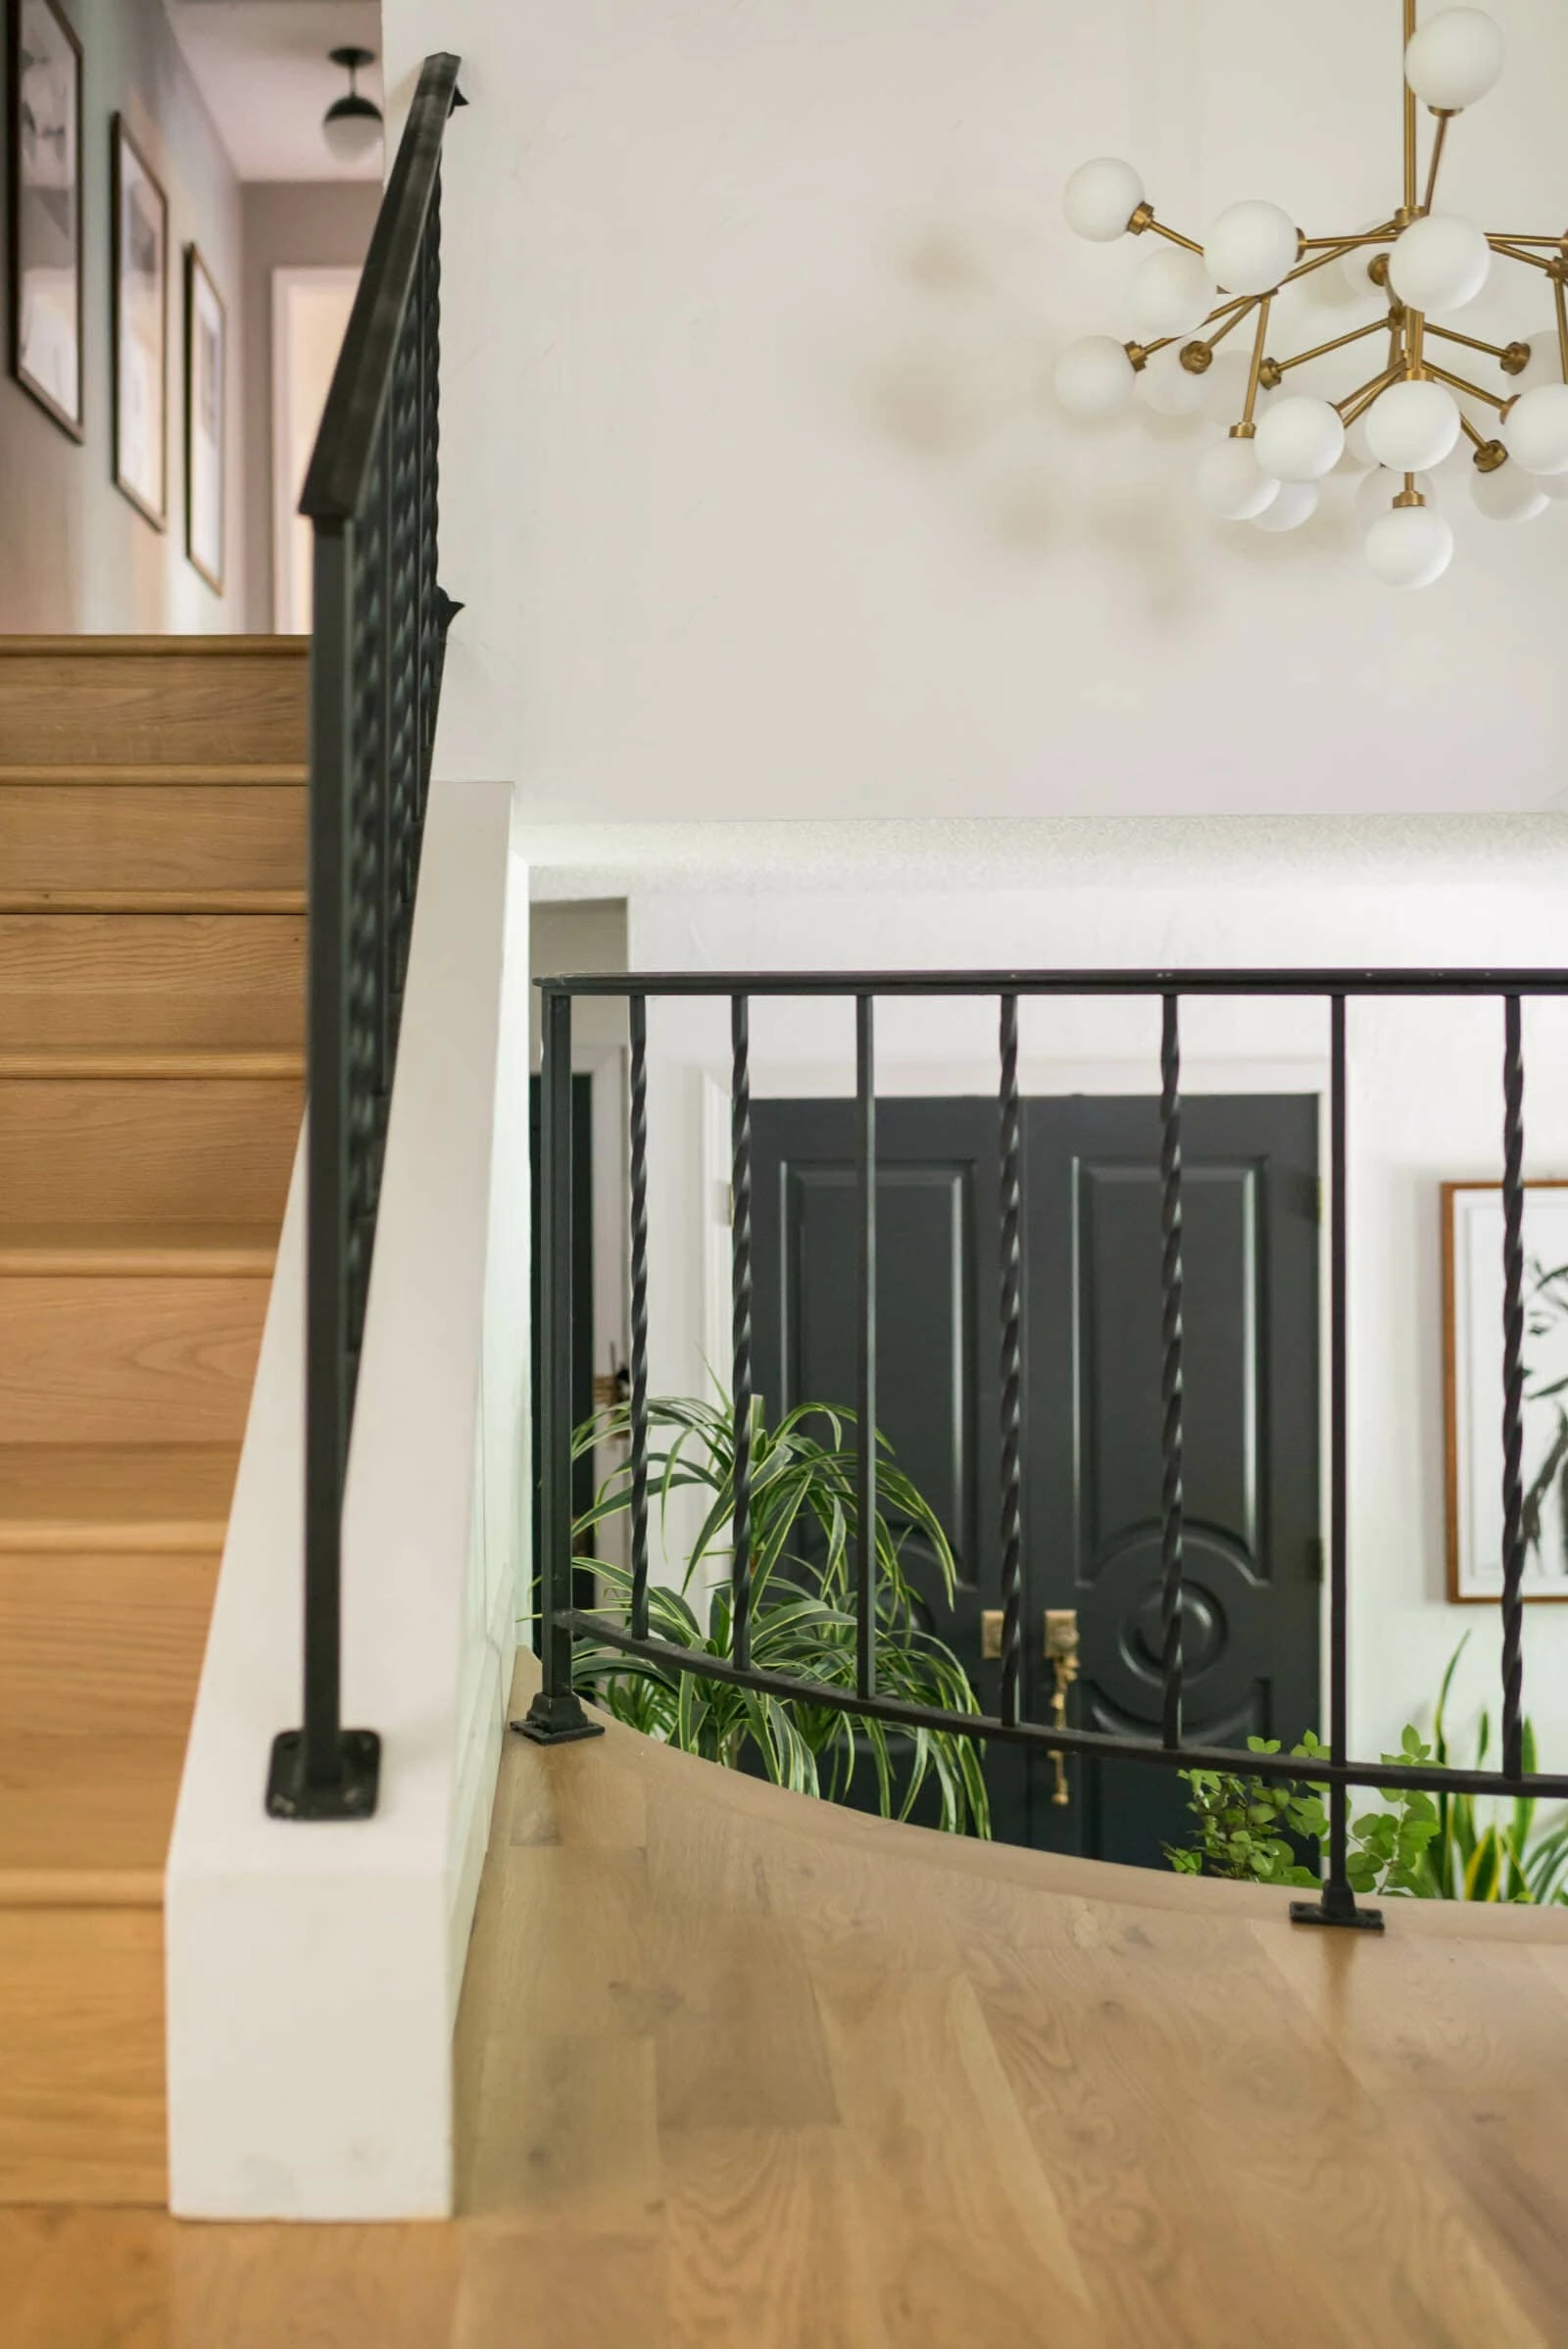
(95, 1152)
(88, 1360)
(102, 1647)
(161, 982)
(82, 2056)
(95, 707)
(92, 838)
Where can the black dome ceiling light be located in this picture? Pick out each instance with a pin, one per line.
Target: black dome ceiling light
(351, 124)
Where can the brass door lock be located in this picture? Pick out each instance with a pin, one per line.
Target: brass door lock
(1060, 1654)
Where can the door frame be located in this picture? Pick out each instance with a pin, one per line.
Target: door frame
(1203, 1072)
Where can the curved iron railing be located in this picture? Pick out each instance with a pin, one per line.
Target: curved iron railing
(377, 643)
(557, 1713)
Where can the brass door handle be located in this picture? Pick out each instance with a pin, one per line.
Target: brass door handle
(1061, 1651)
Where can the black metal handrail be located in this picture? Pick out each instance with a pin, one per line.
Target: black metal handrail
(377, 644)
(557, 1712)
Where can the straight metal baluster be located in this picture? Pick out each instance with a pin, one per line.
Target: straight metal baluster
(1337, 1890)
(741, 1303)
(555, 1714)
(1011, 1205)
(639, 1316)
(1171, 1279)
(1514, 1389)
(866, 1398)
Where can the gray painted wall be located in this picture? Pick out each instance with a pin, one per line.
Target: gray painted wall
(288, 225)
(75, 554)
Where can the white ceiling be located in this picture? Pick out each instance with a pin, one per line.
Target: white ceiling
(263, 67)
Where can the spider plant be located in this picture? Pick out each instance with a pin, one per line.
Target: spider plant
(804, 1535)
(1471, 1858)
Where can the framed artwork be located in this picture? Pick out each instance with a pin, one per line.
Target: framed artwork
(139, 275)
(44, 79)
(1472, 1325)
(206, 398)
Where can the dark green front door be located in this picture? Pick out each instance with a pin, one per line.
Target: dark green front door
(1092, 1458)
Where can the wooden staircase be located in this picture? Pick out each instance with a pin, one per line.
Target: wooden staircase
(152, 957)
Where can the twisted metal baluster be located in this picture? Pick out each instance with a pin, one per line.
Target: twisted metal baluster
(741, 1300)
(639, 1316)
(1513, 1390)
(1011, 1367)
(1170, 1385)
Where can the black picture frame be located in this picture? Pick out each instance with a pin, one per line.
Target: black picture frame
(129, 172)
(208, 561)
(29, 221)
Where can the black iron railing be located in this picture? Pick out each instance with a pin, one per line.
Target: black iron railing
(557, 1712)
(377, 643)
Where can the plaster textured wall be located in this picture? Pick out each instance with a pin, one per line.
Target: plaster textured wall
(763, 509)
(75, 554)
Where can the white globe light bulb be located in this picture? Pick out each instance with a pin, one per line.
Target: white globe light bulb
(1546, 361)
(1353, 269)
(1172, 293)
(1413, 426)
(1439, 263)
(1301, 439)
(1357, 453)
(1410, 547)
(1232, 485)
(1454, 59)
(1100, 197)
(1296, 504)
(1377, 493)
(1534, 430)
(1250, 247)
(1225, 387)
(1507, 493)
(1167, 388)
(1095, 377)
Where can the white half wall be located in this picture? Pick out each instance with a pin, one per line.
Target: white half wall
(753, 310)
(314, 1970)
(1425, 1104)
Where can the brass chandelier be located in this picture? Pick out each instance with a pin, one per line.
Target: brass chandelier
(1420, 265)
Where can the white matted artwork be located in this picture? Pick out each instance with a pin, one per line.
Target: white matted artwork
(1472, 1257)
(140, 282)
(206, 397)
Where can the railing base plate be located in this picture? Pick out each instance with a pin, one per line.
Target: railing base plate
(1339, 1910)
(557, 1720)
(354, 1795)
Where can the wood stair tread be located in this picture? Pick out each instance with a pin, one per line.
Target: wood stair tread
(174, 773)
(131, 1252)
(152, 900)
(85, 1822)
(120, 1064)
(146, 1497)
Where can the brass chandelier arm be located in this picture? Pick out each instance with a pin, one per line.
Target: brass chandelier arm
(1561, 293)
(1459, 383)
(1172, 237)
(1410, 167)
(1358, 402)
(1500, 351)
(1321, 350)
(1256, 377)
(1501, 244)
(1477, 440)
(1334, 252)
(1444, 117)
(1347, 244)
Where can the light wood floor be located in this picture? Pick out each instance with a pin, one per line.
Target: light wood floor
(738, 2070)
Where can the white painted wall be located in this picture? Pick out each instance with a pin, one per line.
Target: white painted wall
(750, 309)
(313, 1968)
(1425, 1103)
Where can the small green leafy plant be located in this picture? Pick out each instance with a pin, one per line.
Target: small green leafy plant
(1421, 1846)
(804, 1537)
